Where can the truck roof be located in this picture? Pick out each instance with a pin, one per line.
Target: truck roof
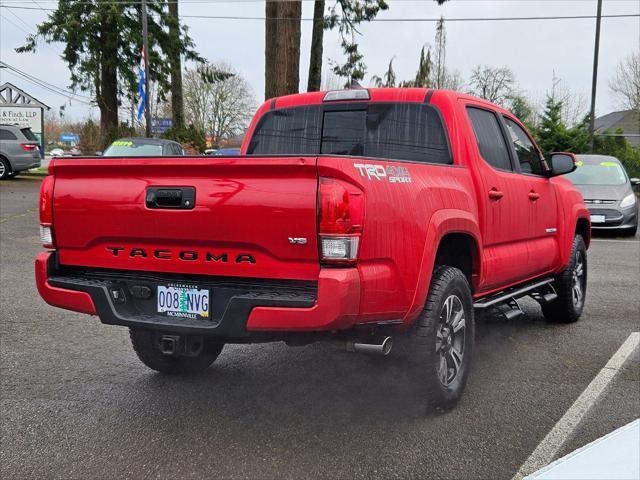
(376, 95)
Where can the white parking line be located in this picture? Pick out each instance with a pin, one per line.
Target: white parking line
(614, 240)
(551, 444)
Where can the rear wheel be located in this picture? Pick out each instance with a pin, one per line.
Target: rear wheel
(443, 338)
(571, 287)
(146, 344)
(5, 169)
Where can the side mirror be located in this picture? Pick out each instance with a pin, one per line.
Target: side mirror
(562, 163)
(634, 181)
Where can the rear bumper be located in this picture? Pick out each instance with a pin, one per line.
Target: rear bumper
(238, 306)
(25, 161)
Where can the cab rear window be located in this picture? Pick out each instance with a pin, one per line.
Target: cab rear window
(394, 131)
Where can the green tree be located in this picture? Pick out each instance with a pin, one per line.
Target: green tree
(423, 78)
(103, 44)
(175, 60)
(552, 133)
(440, 73)
(523, 110)
(347, 15)
(387, 80)
(424, 75)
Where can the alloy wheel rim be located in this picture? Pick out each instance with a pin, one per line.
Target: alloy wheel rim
(2, 169)
(577, 287)
(450, 337)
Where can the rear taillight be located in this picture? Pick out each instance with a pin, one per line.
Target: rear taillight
(46, 212)
(27, 147)
(340, 220)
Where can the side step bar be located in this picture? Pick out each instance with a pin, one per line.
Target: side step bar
(516, 292)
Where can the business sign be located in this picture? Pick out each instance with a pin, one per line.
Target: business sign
(23, 117)
(69, 137)
(161, 125)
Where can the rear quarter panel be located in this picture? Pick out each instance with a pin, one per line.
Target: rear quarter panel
(402, 227)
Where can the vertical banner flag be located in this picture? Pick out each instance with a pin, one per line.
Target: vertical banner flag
(141, 87)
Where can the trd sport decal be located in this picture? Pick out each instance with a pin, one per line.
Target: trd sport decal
(391, 172)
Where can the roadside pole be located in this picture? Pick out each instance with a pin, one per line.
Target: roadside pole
(594, 80)
(145, 46)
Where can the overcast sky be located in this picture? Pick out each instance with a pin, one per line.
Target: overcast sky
(534, 50)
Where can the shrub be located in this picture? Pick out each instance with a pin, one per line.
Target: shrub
(191, 138)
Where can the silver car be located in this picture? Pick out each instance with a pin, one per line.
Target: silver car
(608, 193)
(18, 150)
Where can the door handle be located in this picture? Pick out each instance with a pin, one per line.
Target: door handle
(533, 196)
(179, 198)
(495, 194)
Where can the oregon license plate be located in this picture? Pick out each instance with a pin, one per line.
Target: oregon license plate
(183, 301)
(597, 218)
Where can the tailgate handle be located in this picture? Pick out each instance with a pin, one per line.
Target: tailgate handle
(179, 198)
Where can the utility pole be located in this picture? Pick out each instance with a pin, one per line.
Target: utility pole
(145, 46)
(594, 81)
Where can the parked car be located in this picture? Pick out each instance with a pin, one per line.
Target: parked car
(222, 151)
(608, 193)
(352, 216)
(143, 147)
(19, 150)
(57, 152)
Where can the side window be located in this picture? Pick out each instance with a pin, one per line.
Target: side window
(491, 143)
(289, 131)
(7, 135)
(406, 131)
(528, 156)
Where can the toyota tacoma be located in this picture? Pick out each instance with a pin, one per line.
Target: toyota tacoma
(354, 216)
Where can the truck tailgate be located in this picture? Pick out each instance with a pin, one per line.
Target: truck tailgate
(246, 209)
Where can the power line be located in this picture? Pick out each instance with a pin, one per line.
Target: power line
(46, 85)
(381, 20)
(32, 32)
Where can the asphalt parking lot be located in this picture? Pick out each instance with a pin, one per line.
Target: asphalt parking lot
(77, 403)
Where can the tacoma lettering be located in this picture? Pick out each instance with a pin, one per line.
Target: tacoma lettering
(184, 255)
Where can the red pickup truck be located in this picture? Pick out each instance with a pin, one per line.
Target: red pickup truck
(350, 216)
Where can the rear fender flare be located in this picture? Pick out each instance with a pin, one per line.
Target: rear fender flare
(442, 223)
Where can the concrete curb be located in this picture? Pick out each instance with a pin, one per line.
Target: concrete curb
(34, 174)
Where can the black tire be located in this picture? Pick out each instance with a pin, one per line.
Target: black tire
(571, 287)
(444, 365)
(5, 169)
(145, 344)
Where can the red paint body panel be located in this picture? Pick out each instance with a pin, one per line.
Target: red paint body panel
(250, 206)
(59, 297)
(337, 306)
(244, 206)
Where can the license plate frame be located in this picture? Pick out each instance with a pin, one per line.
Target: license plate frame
(598, 218)
(183, 301)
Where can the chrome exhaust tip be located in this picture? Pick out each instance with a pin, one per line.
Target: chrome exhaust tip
(383, 348)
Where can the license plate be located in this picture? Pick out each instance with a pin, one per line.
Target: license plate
(597, 218)
(183, 302)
